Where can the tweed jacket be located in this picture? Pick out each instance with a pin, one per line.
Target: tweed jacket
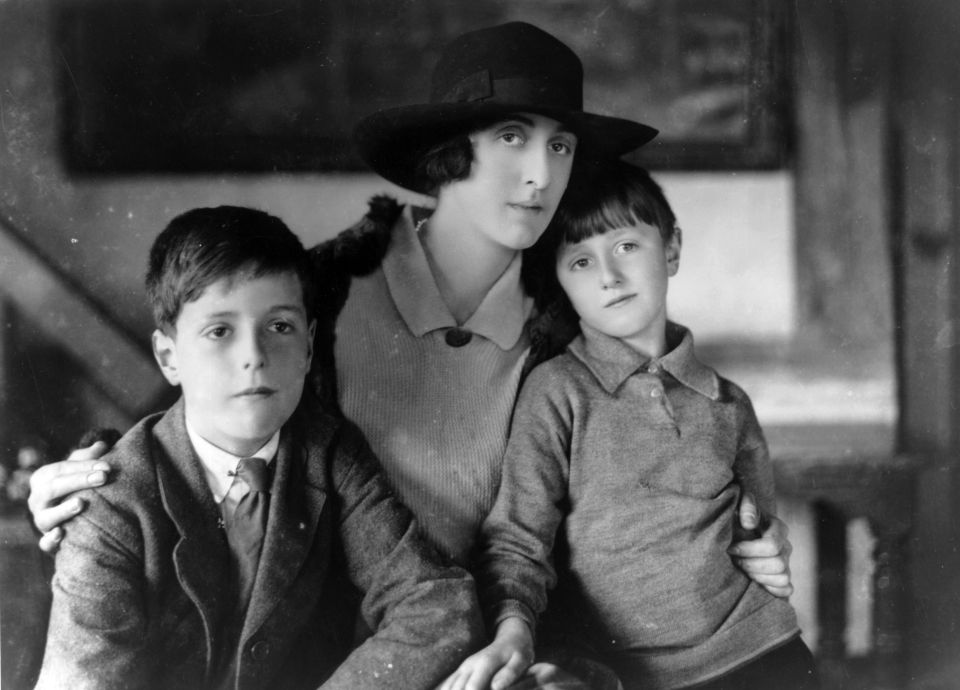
(360, 249)
(139, 590)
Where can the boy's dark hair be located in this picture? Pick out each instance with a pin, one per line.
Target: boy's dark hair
(201, 246)
(610, 195)
(600, 196)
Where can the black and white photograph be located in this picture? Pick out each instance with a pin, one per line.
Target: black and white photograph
(479, 344)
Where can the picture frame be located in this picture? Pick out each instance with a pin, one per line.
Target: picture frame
(177, 86)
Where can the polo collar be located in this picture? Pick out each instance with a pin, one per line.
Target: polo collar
(500, 317)
(612, 361)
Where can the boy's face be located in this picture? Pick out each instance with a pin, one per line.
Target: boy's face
(240, 353)
(617, 282)
(520, 170)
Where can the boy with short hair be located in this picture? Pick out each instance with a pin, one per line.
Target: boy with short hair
(224, 557)
(626, 460)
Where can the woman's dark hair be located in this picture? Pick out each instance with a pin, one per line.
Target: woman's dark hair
(445, 162)
(201, 246)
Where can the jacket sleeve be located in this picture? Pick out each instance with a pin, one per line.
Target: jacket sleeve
(423, 613)
(514, 567)
(97, 632)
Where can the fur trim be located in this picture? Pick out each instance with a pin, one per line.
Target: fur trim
(357, 251)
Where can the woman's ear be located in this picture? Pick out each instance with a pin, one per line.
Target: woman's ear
(311, 330)
(672, 251)
(165, 352)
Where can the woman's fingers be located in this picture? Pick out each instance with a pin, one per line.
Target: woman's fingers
(50, 541)
(52, 483)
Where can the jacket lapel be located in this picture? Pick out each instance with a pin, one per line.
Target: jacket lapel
(295, 507)
(201, 555)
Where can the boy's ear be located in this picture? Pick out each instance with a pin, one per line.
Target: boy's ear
(165, 352)
(672, 251)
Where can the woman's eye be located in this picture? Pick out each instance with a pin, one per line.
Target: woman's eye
(281, 327)
(511, 138)
(561, 147)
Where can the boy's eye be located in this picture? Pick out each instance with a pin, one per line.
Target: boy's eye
(627, 247)
(579, 264)
(281, 327)
(216, 333)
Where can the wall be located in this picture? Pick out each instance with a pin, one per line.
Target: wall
(98, 229)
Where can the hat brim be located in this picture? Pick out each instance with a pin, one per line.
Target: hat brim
(392, 141)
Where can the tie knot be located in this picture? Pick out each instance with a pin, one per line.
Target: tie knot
(255, 473)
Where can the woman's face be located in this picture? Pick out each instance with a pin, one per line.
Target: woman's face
(520, 170)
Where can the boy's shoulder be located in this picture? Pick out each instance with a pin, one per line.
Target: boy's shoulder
(562, 376)
(324, 435)
(133, 458)
(131, 496)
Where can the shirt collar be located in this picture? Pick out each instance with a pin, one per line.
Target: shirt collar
(612, 361)
(500, 317)
(219, 465)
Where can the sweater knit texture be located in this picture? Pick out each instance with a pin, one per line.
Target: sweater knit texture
(635, 468)
(435, 413)
(437, 416)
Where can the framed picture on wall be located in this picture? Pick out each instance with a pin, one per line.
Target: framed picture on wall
(182, 86)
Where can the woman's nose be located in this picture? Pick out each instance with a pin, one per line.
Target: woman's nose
(537, 168)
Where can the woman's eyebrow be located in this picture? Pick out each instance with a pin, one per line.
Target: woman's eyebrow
(523, 119)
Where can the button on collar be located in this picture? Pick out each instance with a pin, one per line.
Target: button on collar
(458, 337)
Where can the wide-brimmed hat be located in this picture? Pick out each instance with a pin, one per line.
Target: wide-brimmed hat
(503, 69)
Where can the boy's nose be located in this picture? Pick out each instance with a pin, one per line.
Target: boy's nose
(254, 355)
(609, 277)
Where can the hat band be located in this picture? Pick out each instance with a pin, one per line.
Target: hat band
(480, 87)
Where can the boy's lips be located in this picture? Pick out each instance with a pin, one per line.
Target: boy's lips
(256, 392)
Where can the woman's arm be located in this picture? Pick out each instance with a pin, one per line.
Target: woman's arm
(761, 549)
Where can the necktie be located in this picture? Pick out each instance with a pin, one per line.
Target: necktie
(246, 528)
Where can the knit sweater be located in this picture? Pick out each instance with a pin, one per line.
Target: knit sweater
(621, 478)
(436, 415)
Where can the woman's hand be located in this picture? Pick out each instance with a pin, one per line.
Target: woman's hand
(53, 483)
(499, 664)
(765, 558)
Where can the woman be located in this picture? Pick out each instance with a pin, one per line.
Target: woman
(425, 329)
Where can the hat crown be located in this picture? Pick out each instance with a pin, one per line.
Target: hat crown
(509, 63)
